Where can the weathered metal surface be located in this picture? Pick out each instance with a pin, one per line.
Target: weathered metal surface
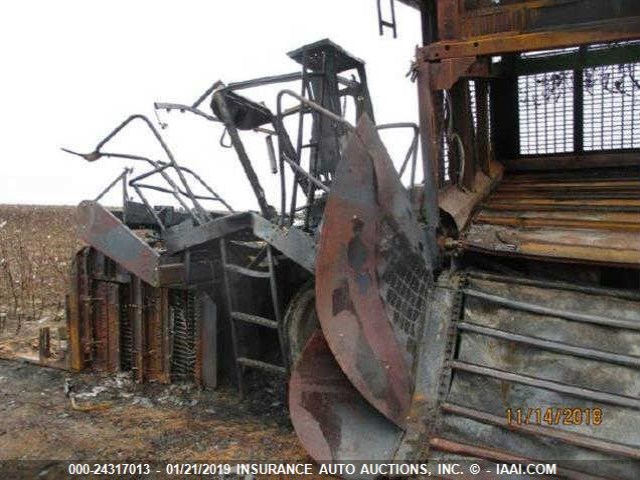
(550, 346)
(209, 343)
(371, 277)
(524, 26)
(592, 217)
(297, 245)
(104, 232)
(461, 204)
(333, 421)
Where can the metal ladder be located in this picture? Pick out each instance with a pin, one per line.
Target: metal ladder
(238, 317)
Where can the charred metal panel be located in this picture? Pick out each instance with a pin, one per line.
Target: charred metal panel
(209, 343)
(156, 332)
(372, 279)
(103, 231)
(592, 217)
(529, 25)
(543, 348)
(297, 245)
(333, 421)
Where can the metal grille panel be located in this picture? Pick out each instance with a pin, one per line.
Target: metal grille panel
(546, 112)
(611, 109)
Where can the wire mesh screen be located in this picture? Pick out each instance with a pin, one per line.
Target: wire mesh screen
(611, 109)
(545, 103)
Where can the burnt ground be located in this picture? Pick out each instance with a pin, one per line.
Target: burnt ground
(111, 418)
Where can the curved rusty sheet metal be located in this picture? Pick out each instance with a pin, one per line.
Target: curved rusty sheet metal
(372, 279)
(333, 421)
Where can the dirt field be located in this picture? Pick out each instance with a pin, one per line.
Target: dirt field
(110, 418)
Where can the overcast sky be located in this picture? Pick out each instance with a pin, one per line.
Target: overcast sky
(73, 69)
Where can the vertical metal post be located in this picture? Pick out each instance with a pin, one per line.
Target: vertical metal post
(429, 132)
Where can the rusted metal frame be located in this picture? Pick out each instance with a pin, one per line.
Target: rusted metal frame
(207, 187)
(553, 346)
(385, 23)
(614, 55)
(571, 206)
(604, 31)
(580, 392)
(148, 206)
(429, 133)
(298, 169)
(535, 15)
(162, 166)
(447, 72)
(86, 299)
(554, 312)
(412, 152)
(121, 177)
(283, 154)
(265, 208)
(446, 370)
(610, 292)
(165, 148)
(166, 190)
(448, 14)
(444, 445)
(305, 88)
(313, 156)
(156, 164)
(292, 242)
(75, 316)
(577, 439)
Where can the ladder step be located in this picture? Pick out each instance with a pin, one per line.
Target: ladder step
(270, 367)
(247, 271)
(255, 319)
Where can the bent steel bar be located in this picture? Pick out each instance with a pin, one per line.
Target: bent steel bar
(200, 211)
(185, 108)
(122, 176)
(412, 152)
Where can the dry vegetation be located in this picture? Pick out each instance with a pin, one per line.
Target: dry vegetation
(37, 244)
